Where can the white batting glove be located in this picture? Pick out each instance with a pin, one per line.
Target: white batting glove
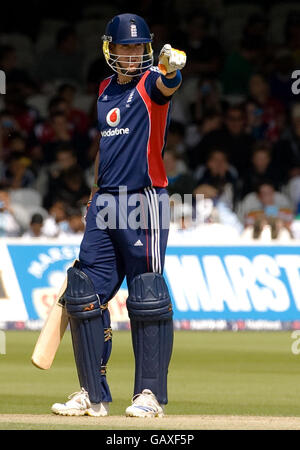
(171, 59)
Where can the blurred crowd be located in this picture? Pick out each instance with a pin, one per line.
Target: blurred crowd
(234, 136)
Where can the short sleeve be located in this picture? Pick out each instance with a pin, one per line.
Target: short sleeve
(152, 90)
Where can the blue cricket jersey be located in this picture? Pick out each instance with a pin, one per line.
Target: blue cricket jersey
(133, 120)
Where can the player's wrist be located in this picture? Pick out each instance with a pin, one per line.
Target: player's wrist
(173, 81)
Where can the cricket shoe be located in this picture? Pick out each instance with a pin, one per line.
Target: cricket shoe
(145, 405)
(79, 405)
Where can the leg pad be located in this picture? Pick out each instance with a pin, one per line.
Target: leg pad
(150, 311)
(85, 315)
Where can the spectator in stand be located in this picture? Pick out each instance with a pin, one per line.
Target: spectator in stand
(265, 201)
(64, 125)
(65, 158)
(64, 62)
(16, 79)
(195, 132)
(76, 117)
(175, 138)
(25, 116)
(257, 28)
(70, 188)
(205, 52)
(293, 191)
(35, 227)
(255, 126)
(57, 104)
(43, 131)
(287, 149)
(44, 134)
(9, 226)
(17, 143)
(8, 126)
(180, 180)
(232, 138)
(17, 173)
(206, 98)
(272, 110)
(75, 221)
(252, 53)
(217, 172)
(213, 208)
(262, 167)
(62, 135)
(239, 66)
(56, 223)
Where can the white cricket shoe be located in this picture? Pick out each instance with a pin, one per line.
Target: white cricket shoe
(145, 405)
(79, 405)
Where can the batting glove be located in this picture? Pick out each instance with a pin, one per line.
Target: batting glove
(171, 59)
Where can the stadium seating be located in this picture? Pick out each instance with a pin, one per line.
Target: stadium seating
(52, 26)
(103, 11)
(44, 42)
(91, 27)
(241, 10)
(23, 45)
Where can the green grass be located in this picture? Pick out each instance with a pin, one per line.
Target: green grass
(245, 373)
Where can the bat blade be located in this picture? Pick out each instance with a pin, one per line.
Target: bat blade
(51, 334)
(50, 337)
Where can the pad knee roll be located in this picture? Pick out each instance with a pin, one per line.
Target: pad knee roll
(82, 302)
(149, 298)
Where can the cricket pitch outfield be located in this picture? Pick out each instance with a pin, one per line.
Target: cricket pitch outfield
(217, 380)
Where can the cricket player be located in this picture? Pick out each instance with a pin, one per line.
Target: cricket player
(126, 226)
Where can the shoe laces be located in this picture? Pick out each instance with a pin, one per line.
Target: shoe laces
(79, 396)
(143, 398)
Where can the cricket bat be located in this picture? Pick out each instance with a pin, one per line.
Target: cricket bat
(51, 333)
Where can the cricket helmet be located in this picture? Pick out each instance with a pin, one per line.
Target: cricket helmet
(128, 29)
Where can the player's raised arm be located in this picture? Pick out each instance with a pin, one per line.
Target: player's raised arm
(170, 62)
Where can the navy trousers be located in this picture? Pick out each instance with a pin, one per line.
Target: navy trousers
(126, 235)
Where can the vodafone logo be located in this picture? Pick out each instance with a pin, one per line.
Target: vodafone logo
(114, 132)
(113, 117)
